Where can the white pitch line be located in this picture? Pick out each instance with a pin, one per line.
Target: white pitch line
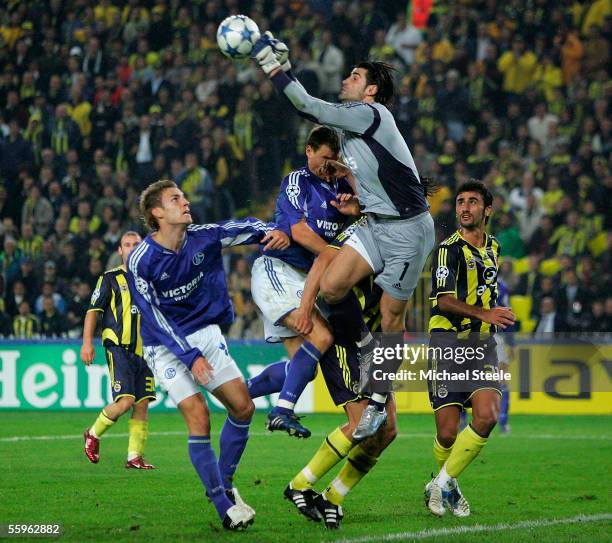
(478, 528)
(114, 435)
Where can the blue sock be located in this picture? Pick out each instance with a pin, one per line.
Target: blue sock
(232, 442)
(205, 463)
(505, 406)
(301, 371)
(269, 381)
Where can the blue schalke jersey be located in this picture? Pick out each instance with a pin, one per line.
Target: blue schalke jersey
(180, 293)
(306, 197)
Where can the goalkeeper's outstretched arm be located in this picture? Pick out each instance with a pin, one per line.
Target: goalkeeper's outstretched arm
(273, 58)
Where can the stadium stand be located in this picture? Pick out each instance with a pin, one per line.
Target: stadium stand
(97, 99)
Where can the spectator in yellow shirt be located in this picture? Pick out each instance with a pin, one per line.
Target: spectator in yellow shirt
(518, 67)
(569, 239)
(547, 78)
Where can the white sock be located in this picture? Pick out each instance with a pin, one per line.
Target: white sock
(132, 455)
(444, 479)
(380, 398)
(286, 404)
(92, 431)
(365, 341)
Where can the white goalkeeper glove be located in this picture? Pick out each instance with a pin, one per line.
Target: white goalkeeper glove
(263, 53)
(281, 51)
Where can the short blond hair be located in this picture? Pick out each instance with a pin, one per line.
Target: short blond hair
(150, 198)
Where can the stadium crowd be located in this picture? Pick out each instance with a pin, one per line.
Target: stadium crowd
(97, 99)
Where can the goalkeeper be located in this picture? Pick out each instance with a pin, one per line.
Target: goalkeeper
(398, 235)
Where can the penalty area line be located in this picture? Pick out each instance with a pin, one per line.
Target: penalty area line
(478, 528)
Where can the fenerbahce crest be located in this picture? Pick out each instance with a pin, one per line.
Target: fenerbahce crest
(442, 391)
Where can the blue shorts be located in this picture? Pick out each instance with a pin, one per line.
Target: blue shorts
(130, 375)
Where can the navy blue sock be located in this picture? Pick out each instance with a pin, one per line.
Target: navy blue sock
(301, 371)
(463, 419)
(232, 442)
(345, 317)
(505, 405)
(205, 463)
(269, 381)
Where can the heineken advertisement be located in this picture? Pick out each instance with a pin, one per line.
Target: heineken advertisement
(544, 377)
(50, 375)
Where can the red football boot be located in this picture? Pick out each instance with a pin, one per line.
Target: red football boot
(92, 447)
(138, 463)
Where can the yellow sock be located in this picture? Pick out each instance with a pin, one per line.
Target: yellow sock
(102, 424)
(357, 466)
(440, 453)
(333, 449)
(138, 430)
(467, 447)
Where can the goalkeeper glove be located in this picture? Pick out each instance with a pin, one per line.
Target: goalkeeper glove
(263, 53)
(281, 51)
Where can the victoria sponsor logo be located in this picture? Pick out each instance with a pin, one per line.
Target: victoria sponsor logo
(180, 292)
(327, 225)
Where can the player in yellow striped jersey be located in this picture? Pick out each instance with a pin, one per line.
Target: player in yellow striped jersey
(340, 368)
(464, 316)
(132, 381)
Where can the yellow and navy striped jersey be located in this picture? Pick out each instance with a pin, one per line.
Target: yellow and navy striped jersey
(25, 327)
(470, 274)
(367, 291)
(121, 318)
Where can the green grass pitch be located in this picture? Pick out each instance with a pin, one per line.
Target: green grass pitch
(548, 469)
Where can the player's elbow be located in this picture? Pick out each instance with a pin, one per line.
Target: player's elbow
(444, 302)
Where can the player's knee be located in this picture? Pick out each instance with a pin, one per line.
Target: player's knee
(199, 425)
(125, 403)
(195, 413)
(484, 423)
(322, 338)
(244, 410)
(141, 409)
(331, 293)
(326, 339)
(446, 437)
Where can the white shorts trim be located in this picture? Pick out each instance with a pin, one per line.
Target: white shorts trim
(176, 378)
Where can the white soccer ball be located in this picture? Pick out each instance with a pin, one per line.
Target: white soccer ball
(236, 36)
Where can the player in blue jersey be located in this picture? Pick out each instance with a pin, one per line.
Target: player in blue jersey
(307, 206)
(180, 288)
(399, 234)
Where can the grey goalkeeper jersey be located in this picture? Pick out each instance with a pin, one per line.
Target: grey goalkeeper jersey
(387, 179)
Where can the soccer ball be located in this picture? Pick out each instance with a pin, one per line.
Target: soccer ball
(236, 36)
